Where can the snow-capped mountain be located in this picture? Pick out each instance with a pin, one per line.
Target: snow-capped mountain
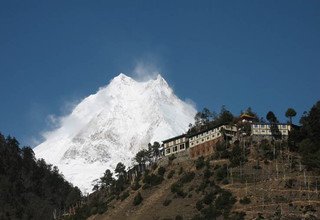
(112, 125)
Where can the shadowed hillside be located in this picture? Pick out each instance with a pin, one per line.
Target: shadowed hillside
(30, 188)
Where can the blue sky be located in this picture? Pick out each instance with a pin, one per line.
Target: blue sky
(263, 54)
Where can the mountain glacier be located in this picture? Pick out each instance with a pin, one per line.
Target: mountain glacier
(111, 126)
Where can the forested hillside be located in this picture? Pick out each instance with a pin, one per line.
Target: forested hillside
(268, 179)
(30, 188)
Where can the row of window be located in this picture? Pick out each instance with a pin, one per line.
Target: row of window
(268, 131)
(178, 141)
(204, 139)
(268, 126)
(205, 133)
(175, 148)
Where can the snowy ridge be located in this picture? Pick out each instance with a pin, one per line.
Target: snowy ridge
(112, 126)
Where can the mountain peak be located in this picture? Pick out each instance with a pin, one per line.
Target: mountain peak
(112, 126)
(161, 80)
(122, 78)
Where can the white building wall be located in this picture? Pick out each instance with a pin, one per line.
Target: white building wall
(209, 135)
(175, 146)
(263, 129)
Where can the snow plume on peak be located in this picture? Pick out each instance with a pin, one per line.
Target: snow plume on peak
(112, 125)
(144, 71)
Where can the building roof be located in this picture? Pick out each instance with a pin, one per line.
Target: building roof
(205, 130)
(266, 123)
(174, 138)
(247, 116)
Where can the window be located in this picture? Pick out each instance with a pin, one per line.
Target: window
(175, 148)
(207, 138)
(168, 151)
(181, 146)
(202, 140)
(262, 126)
(284, 126)
(255, 126)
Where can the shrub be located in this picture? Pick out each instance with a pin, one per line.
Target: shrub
(225, 201)
(181, 193)
(112, 197)
(210, 212)
(172, 157)
(161, 171)
(290, 183)
(124, 195)
(177, 188)
(207, 173)
(208, 199)
(199, 205)
(237, 216)
(202, 187)
(200, 163)
(225, 181)
(236, 157)
(257, 166)
(187, 177)
(260, 216)
(102, 208)
(152, 179)
(245, 200)
(93, 210)
(266, 150)
(197, 217)
(166, 202)
(154, 166)
(135, 185)
(137, 199)
(180, 170)
(179, 217)
(170, 174)
(207, 163)
(221, 172)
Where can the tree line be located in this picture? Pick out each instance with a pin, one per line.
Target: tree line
(30, 188)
